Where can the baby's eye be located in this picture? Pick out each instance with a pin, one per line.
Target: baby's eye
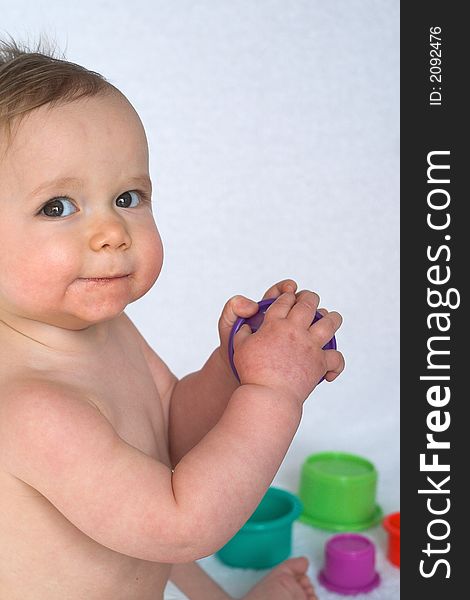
(59, 207)
(125, 200)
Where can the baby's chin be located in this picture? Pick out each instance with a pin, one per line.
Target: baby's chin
(92, 302)
(83, 317)
(85, 302)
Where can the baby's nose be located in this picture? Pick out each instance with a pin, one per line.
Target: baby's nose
(111, 234)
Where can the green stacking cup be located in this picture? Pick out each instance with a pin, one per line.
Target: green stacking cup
(338, 491)
(265, 539)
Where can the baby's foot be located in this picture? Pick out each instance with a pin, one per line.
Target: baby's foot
(288, 581)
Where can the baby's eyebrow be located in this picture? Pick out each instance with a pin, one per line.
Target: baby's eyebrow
(142, 180)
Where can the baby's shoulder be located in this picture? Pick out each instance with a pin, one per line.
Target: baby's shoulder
(27, 382)
(125, 327)
(39, 416)
(23, 397)
(164, 378)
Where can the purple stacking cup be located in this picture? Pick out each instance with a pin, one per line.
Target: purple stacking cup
(349, 565)
(255, 323)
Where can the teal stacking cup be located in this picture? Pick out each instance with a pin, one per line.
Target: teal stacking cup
(338, 492)
(266, 538)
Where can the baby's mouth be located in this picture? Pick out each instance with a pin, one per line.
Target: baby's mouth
(105, 279)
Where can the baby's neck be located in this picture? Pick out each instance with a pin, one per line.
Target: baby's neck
(91, 339)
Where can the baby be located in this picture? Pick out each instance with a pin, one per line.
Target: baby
(114, 475)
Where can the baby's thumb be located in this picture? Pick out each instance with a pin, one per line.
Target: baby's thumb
(236, 307)
(241, 335)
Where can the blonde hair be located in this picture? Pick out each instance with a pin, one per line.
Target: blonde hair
(30, 78)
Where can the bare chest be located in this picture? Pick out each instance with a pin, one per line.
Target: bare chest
(128, 397)
(118, 381)
(35, 538)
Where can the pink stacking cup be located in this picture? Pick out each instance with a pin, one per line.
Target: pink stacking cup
(349, 565)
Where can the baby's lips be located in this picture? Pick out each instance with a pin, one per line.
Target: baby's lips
(255, 323)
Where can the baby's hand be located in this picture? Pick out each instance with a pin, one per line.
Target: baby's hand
(240, 306)
(286, 353)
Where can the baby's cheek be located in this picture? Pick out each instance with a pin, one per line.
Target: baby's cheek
(150, 259)
(28, 281)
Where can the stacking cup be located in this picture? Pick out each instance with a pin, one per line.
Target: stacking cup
(265, 539)
(338, 492)
(391, 524)
(349, 565)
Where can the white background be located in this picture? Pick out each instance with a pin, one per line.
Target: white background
(274, 147)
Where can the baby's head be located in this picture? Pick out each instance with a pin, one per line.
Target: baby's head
(79, 241)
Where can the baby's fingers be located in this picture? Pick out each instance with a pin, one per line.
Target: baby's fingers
(286, 285)
(324, 329)
(281, 307)
(304, 309)
(334, 364)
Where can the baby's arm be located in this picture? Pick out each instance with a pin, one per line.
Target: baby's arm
(198, 400)
(57, 442)
(195, 583)
(52, 438)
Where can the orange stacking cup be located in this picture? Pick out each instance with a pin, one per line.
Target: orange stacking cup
(391, 524)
